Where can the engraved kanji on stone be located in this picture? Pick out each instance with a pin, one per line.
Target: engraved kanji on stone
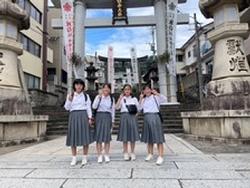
(234, 47)
(1, 64)
(238, 63)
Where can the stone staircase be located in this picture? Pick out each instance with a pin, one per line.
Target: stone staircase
(58, 119)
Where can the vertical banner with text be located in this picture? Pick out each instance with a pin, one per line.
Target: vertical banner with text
(134, 63)
(111, 70)
(171, 23)
(68, 35)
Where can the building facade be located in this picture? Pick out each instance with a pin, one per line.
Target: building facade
(33, 44)
(57, 72)
(188, 79)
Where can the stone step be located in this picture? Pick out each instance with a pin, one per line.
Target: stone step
(58, 119)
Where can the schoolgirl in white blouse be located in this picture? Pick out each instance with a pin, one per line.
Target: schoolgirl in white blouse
(104, 105)
(79, 105)
(128, 129)
(152, 133)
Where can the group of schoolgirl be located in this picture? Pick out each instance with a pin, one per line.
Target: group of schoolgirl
(81, 122)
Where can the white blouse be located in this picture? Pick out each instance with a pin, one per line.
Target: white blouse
(129, 100)
(105, 105)
(152, 103)
(79, 103)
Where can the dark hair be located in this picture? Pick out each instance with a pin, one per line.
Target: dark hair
(110, 95)
(127, 85)
(78, 81)
(146, 86)
(108, 85)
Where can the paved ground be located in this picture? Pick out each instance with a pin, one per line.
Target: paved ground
(47, 165)
(216, 146)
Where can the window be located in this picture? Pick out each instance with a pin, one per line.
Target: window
(189, 54)
(195, 51)
(179, 58)
(30, 46)
(33, 82)
(30, 9)
(64, 77)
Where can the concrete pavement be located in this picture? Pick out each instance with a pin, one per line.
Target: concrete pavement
(47, 165)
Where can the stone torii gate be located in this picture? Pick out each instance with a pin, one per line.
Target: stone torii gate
(158, 20)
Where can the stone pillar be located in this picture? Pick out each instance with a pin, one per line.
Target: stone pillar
(160, 13)
(230, 85)
(12, 96)
(79, 38)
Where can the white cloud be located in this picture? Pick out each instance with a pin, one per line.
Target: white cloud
(122, 40)
(146, 11)
(95, 13)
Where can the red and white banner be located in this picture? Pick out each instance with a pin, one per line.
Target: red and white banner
(111, 70)
(68, 35)
(68, 26)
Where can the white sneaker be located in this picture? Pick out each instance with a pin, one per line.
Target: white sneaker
(99, 160)
(149, 157)
(107, 158)
(160, 160)
(74, 161)
(133, 157)
(126, 157)
(84, 160)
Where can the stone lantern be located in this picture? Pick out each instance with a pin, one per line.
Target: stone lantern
(226, 115)
(91, 76)
(12, 99)
(230, 85)
(17, 122)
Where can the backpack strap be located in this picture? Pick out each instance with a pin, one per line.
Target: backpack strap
(85, 96)
(99, 102)
(156, 102)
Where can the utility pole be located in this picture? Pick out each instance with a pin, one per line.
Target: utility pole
(154, 52)
(153, 43)
(45, 46)
(199, 63)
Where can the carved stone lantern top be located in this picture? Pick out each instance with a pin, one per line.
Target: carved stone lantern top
(207, 7)
(11, 10)
(91, 70)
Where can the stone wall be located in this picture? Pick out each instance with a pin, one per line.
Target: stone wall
(228, 124)
(22, 129)
(42, 98)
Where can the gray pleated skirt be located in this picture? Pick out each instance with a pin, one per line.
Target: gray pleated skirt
(79, 133)
(128, 130)
(152, 132)
(103, 123)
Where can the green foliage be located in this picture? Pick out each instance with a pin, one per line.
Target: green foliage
(164, 58)
(76, 59)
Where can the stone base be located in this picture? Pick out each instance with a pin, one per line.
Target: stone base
(212, 139)
(14, 102)
(228, 94)
(22, 129)
(41, 98)
(226, 124)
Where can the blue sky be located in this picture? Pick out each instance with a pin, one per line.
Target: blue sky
(122, 39)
